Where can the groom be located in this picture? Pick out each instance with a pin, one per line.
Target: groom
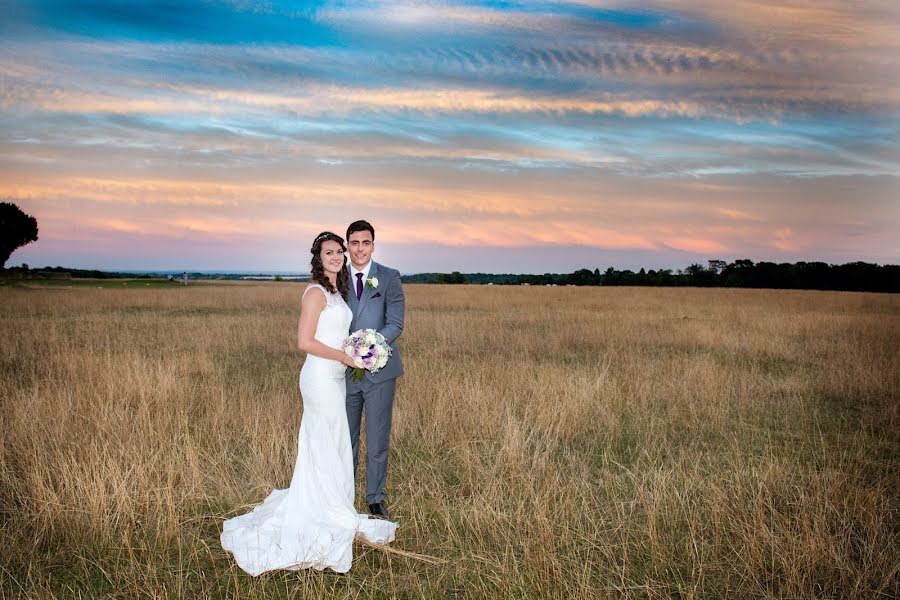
(376, 299)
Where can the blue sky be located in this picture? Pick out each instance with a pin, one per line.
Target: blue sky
(475, 136)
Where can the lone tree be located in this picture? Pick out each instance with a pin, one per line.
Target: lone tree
(16, 230)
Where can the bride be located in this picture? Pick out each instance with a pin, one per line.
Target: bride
(312, 524)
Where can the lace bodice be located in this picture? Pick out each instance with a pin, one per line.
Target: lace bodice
(334, 321)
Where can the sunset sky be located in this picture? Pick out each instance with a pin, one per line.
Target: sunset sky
(475, 136)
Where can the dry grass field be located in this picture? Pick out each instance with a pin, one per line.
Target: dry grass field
(547, 442)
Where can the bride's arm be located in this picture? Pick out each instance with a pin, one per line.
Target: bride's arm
(311, 307)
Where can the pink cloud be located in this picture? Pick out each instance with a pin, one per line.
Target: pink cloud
(738, 215)
(698, 245)
(785, 239)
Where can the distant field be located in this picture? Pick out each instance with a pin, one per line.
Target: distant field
(548, 442)
(96, 283)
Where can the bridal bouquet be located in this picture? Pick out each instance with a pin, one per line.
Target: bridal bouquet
(369, 351)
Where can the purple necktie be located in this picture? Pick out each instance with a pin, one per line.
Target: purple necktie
(358, 286)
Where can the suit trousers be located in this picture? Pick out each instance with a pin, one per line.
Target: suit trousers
(377, 400)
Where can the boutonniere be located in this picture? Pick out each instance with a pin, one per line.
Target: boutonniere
(372, 283)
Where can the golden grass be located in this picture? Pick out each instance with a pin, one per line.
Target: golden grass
(547, 442)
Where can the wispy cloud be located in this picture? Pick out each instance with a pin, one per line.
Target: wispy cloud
(738, 215)
(684, 129)
(697, 246)
(785, 239)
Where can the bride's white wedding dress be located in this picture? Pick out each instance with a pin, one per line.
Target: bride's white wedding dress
(312, 523)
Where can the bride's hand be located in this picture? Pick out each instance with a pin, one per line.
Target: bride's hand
(348, 361)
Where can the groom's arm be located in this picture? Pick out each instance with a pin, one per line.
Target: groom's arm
(394, 308)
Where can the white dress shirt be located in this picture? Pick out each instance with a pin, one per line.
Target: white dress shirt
(354, 271)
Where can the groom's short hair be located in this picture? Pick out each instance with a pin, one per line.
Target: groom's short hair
(360, 226)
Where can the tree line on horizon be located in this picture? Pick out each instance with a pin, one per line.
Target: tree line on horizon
(18, 229)
(743, 273)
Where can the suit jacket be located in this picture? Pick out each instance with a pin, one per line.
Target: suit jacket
(381, 309)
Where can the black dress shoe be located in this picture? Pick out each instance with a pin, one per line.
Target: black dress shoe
(378, 509)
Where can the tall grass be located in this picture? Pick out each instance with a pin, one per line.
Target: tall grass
(547, 442)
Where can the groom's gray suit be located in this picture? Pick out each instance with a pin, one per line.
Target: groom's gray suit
(380, 309)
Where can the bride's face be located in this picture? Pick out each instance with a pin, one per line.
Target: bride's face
(332, 256)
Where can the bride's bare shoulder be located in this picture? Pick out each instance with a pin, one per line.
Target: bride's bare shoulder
(317, 296)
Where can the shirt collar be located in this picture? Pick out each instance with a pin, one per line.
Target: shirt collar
(365, 271)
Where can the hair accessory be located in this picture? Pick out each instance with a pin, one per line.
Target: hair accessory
(324, 236)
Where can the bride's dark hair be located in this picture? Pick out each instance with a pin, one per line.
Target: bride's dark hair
(318, 270)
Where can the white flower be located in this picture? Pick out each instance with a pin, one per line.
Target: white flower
(372, 283)
(360, 342)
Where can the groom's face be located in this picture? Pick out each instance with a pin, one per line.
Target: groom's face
(361, 246)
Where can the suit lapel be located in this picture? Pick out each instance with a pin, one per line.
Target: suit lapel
(367, 292)
(352, 302)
